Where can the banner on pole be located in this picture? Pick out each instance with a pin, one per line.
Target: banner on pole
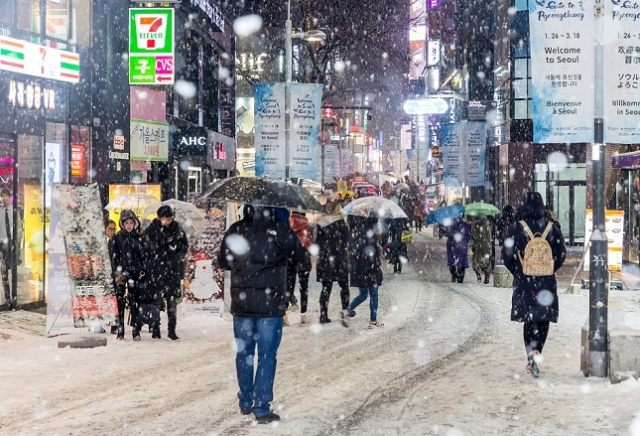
(305, 130)
(270, 129)
(621, 76)
(451, 146)
(330, 164)
(476, 133)
(562, 59)
(463, 147)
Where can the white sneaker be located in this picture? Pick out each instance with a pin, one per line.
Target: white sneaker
(294, 307)
(375, 324)
(344, 317)
(304, 318)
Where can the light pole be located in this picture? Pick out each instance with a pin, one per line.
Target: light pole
(310, 36)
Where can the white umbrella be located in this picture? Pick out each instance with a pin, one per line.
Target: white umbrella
(188, 215)
(136, 201)
(378, 207)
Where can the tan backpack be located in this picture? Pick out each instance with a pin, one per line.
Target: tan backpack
(538, 257)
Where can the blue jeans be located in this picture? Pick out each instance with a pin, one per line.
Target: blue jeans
(373, 300)
(256, 392)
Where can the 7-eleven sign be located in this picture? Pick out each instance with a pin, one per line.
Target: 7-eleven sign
(151, 46)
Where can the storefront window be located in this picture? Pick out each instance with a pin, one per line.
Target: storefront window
(29, 15)
(80, 154)
(57, 19)
(6, 6)
(56, 154)
(81, 29)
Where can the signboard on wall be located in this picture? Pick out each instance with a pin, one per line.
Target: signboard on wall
(39, 61)
(149, 140)
(614, 230)
(562, 59)
(151, 46)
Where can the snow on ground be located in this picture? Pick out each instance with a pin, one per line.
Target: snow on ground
(448, 362)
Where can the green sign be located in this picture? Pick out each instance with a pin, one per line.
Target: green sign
(151, 46)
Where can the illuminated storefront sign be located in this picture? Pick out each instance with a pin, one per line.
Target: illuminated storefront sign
(151, 46)
(30, 95)
(39, 61)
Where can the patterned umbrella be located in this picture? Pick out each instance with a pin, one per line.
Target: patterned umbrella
(378, 207)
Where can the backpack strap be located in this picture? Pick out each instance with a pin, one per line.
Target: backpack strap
(526, 229)
(547, 229)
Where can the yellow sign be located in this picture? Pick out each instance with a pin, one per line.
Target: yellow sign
(36, 230)
(116, 191)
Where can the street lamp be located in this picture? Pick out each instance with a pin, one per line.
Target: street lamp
(310, 36)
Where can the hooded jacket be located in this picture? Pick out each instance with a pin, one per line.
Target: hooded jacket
(125, 247)
(255, 250)
(534, 298)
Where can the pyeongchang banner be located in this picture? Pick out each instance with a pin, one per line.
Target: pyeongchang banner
(305, 130)
(562, 60)
(622, 72)
(270, 129)
(463, 147)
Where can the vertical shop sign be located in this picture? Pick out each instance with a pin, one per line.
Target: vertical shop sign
(270, 130)
(476, 133)
(562, 59)
(452, 143)
(622, 72)
(330, 162)
(463, 147)
(227, 115)
(149, 140)
(151, 46)
(89, 268)
(305, 130)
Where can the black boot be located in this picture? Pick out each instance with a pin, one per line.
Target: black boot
(120, 331)
(478, 277)
(172, 334)
(454, 273)
(136, 335)
(487, 274)
(156, 333)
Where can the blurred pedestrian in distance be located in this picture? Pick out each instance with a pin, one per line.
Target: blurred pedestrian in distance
(458, 237)
(505, 220)
(166, 245)
(481, 246)
(535, 298)
(127, 266)
(110, 229)
(333, 262)
(365, 271)
(10, 242)
(255, 250)
(300, 225)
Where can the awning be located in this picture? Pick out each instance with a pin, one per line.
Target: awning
(626, 161)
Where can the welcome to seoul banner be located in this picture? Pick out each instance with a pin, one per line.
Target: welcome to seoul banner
(562, 61)
(622, 71)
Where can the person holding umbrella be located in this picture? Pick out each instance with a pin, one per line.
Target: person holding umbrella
(255, 250)
(458, 236)
(482, 241)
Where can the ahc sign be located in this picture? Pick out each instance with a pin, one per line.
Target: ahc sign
(151, 46)
(431, 105)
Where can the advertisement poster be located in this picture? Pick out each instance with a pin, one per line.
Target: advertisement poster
(58, 283)
(451, 145)
(614, 229)
(116, 191)
(305, 130)
(270, 129)
(330, 161)
(36, 235)
(204, 280)
(149, 141)
(89, 268)
(475, 153)
(562, 59)
(622, 74)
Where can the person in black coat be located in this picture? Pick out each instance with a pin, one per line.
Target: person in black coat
(255, 250)
(395, 248)
(535, 298)
(333, 263)
(364, 266)
(127, 266)
(165, 246)
(503, 222)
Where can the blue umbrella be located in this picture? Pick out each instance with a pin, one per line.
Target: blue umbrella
(446, 215)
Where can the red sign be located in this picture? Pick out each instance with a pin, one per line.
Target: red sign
(94, 307)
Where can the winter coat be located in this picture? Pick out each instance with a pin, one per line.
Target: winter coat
(365, 268)
(165, 248)
(332, 238)
(482, 241)
(458, 236)
(534, 298)
(300, 225)
(255, 250)
(393, 239)
(504, 222)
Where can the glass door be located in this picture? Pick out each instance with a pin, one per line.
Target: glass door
(569, 203)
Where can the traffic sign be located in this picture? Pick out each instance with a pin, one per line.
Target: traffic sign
(151, 46)
(433, 105)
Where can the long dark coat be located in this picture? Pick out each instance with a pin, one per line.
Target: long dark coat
(333, 261)
(482, 243)
(458, 236)
(534, 298)
(364, 252)
(165, 250)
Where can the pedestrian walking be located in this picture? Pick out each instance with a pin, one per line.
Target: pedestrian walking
(458, 236)
(10, 243)
(393, 242)
(255, 250)
(166, 246)
(127, 266)
(365, 271)
(333, 262)
(300, 225)
(505, 220)
(482, 241)
(533, 251)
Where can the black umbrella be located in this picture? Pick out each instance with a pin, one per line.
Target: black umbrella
(263, 191)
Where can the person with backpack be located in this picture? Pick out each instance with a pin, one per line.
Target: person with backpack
(533, 250)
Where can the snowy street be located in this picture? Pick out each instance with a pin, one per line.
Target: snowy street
(447, 362)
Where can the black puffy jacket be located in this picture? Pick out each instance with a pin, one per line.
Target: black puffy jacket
(255, 250)
(165, 250)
